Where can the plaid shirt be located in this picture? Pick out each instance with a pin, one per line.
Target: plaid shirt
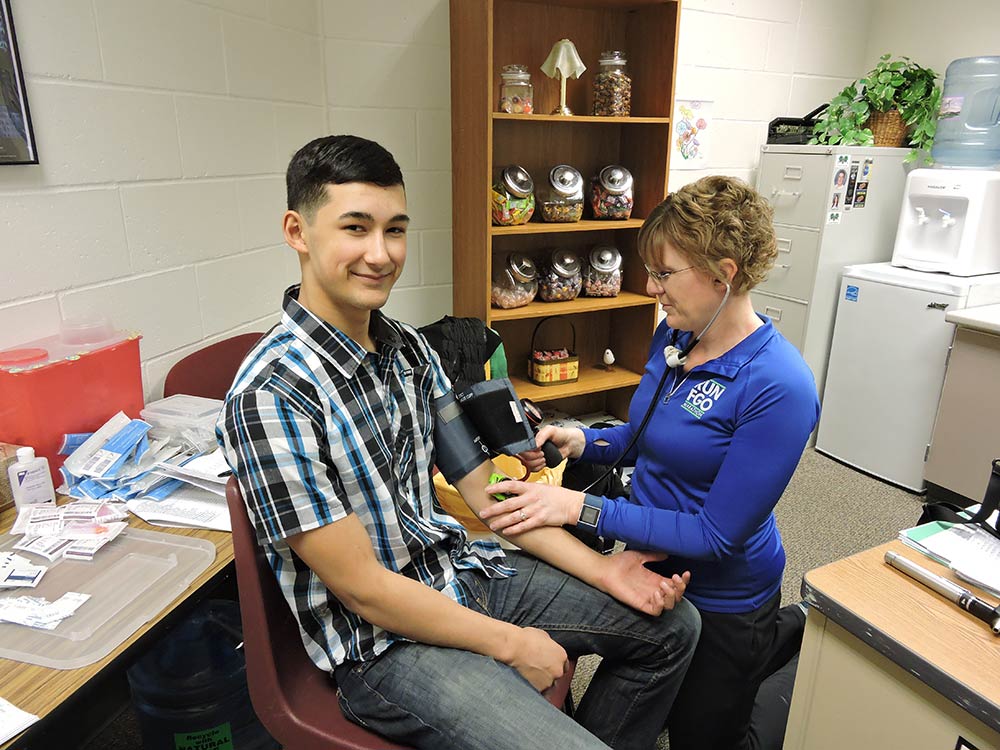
(316, 428)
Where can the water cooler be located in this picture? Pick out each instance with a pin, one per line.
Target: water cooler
(891, 341)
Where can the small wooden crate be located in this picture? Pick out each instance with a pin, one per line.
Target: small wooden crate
(546, 369)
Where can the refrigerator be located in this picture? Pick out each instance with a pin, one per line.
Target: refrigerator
(887, 363)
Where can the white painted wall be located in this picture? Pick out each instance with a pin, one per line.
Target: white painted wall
(164, 128)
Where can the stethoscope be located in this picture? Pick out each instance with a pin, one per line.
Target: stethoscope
(675, 357)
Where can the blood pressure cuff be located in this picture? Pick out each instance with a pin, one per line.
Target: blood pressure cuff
(496, 411)
(458, 447)
(484, 419)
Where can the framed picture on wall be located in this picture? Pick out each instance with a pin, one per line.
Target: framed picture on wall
(17, 141)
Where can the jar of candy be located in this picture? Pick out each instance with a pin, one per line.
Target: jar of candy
(516, 91)
(513, 196)
(612, 87)
(611, 193)
(562, 199)
(602, 276)
(561, 277)
(515, 282)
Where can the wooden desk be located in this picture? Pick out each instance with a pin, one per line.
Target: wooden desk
(887, 663)
(51, 694)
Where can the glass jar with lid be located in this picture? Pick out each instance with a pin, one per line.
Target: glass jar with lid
(612, 87)
(611, 193)
(516, 91)
(515, 282)
(561, 277)
(513, 196)
(562, 198)
(602, 276)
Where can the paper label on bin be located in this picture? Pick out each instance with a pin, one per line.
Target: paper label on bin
(216, 738)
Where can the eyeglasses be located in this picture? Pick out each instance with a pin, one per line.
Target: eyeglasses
(660, 277)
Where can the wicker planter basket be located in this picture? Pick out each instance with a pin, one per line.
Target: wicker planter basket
(888, 128)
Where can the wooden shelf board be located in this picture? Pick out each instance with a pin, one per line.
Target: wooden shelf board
(592, 380)
(583, 118)
(584, 225)
(578, 305)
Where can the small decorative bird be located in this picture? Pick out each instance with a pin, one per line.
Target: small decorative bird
(609, 360)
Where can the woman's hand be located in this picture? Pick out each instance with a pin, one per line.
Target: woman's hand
(569, 441)
(531, 505)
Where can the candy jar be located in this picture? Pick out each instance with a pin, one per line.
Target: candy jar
(515, 282)
(612, 88)
(562, 199)
(561, 277)
(602, 276)
(513, 196)
(516, 91)
(611, 193)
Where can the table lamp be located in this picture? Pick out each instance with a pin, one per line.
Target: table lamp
(563, 62)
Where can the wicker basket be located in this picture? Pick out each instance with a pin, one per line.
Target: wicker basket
(544, 369)
(888, 128)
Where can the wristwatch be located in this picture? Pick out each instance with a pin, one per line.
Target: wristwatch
(590, 513)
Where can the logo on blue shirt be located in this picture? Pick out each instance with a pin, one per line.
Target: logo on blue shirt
(702, 397)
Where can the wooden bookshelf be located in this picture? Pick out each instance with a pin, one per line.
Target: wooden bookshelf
(485, 36)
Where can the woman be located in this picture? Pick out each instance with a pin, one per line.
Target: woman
(721, 444)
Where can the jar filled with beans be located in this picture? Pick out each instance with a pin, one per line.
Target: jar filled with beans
(561, 200)
(611, 193)
(602, 276)
(612, 87)
(516, 91)
(513, 200)
(515, 282)
(561, 277)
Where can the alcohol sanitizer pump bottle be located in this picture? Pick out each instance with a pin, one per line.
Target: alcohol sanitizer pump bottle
(30, 480)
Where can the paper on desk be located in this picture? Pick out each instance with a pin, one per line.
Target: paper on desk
(13, 720)
(209, 472)
(978, 560)
(187, 507)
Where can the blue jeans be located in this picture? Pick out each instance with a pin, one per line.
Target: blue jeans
(432, 697)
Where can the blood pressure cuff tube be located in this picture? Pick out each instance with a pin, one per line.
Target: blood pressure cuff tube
(458, 447)
(496, 411)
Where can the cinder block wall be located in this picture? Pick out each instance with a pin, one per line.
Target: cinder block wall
(164, 127)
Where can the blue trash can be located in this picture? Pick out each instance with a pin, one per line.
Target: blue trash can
(190, 690)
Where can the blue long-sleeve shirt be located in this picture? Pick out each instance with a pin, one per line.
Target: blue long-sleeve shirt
(711, 465)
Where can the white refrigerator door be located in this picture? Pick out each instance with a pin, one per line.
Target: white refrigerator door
(887, 364)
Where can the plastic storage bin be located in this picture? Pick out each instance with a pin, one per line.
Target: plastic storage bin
(968, 130)
(49, 388)
(183, 416)
(190, 690)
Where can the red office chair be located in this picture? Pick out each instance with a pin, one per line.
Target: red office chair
(210, 371)
(294, 700)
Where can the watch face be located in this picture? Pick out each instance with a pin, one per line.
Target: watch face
(589, 515)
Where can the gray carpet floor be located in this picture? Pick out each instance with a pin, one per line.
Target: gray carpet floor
(828, 512)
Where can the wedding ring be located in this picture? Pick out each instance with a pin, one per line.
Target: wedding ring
(524, 516)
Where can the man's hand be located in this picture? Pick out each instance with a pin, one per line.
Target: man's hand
(626, 578)
(538, 658)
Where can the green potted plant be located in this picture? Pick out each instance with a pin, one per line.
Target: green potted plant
(895, 104)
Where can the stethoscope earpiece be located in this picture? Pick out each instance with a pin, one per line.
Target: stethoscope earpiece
(675, 357)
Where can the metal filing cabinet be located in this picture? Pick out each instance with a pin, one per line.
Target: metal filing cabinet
(818, 233)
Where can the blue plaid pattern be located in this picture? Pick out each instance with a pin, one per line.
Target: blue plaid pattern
(315, 428)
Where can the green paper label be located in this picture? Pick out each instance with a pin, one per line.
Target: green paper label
(216, 738)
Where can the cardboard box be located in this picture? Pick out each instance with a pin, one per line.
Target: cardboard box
(8, 456)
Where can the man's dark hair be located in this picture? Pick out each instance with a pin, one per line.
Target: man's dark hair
(336, 159)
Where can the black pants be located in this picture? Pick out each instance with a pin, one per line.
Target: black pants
(735, 653)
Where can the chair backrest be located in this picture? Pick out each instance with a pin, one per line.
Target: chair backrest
(210, 371)
(294, 700)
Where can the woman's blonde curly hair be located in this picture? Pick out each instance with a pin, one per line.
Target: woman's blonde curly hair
(714, 218)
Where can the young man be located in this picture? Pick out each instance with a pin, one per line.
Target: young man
(434, 641)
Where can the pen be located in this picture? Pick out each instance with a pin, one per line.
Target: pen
(948, 589)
